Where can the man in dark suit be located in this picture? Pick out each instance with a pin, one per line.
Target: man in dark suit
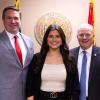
(13, 63)
(86, 39)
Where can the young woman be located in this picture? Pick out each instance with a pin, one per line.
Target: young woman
(52, 73)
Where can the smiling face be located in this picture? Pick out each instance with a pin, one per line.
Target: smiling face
(11, 21)
(85, 38)
(54, 40)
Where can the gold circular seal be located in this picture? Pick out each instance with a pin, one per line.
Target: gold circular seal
(52, 18)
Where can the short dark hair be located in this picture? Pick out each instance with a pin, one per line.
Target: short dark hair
(10, 8)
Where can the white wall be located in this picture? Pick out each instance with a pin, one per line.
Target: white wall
(75, 10)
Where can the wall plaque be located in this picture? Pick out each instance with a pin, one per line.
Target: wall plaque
(52, 18)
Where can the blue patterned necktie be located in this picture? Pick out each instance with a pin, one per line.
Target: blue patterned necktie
(83, 77)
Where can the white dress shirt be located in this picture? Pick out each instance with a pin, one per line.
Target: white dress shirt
(21, 42)
(80, 56)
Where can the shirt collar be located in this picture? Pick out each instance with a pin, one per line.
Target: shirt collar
(11, 36)
(89, 50)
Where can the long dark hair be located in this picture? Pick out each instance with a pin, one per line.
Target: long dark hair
(45, 47)
(64, 49)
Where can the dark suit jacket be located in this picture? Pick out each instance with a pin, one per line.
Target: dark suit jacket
(94, 73)
(34, 80)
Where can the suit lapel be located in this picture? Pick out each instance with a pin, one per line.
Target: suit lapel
(7, 44)
(26, 42)
(93, 62)
(75, 53)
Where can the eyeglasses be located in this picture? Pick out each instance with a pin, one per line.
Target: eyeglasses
(85, 35)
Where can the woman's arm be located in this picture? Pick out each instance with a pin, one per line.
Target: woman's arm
(30, 80)
(30, 98)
